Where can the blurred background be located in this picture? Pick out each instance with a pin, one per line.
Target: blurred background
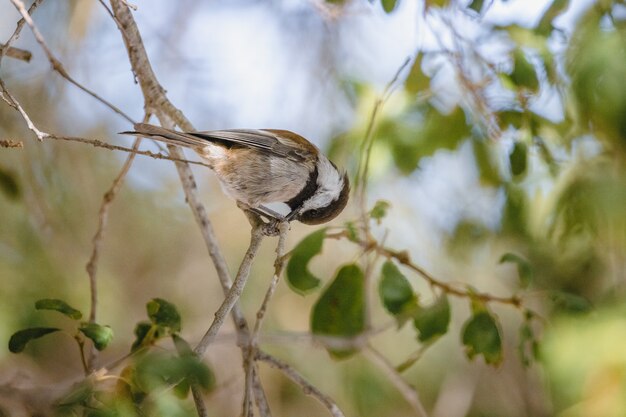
(505, 133)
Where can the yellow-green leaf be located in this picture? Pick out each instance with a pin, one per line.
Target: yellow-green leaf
(299, 278)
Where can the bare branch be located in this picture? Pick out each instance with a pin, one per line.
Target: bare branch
(103, 216)
(16, 53)
(5, 49)
(57, 65)
(12, 101)
(11, 144)
(235, 291)
(407, 391)
(306, 386)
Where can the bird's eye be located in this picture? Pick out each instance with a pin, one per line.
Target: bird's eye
(314, 212)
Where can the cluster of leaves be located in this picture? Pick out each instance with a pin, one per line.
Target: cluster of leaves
(340, 310)
(100, 335)
(155, 380)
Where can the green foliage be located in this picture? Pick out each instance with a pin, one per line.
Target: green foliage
(476, 5)
(523, 74)
(416, 81)
(389, 5)
(481, 336)
(570, 303)
(396, 293)
(60, 306)
(528, 346)
(164, 314)
(524, 269)
(20, 339)
(556, 8)
(100, 335)
(379, 211)
(432, 321)
(518, 159)
(340, 310)
(299, 277)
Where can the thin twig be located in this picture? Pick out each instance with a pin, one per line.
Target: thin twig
(235, 291)
(306, 386)
(15, 53)
(11, 143)
(12, 101)
(5, 50)
(407, 391)
(57, 65)
(199, 402)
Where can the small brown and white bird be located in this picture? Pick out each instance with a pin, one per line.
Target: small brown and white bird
(259, 167)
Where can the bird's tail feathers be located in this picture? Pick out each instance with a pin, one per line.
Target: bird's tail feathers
(166, 135)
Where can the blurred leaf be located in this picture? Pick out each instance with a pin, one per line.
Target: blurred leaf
(417, 81)
(379, 211)
(158, 370)
(182, 346)
(144, 335)
(515, 215)
(523, 74)
(20, 339)
(299, 278)
(340, 310)
(526, 37)
(476, 5)
(100, 335)
(556, 8)
(487, 168)
(353, 234)
(164, 314)
(512, 118)
(396, 292)
(481, 336)
(388, 5)
(9, 185)
(524, 269)
(597, 64)
(528, 346)
(518, 159)
(410, 140)
(570, 303)
(78, 395)
(433, 321)
(437, 3)
(60, 306)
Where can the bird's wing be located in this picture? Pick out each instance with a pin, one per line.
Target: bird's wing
(263, 140)
(290, 146)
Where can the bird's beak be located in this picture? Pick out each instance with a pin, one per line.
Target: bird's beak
(294, 213)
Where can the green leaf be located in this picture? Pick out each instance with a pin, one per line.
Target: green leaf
(416, 81)
(524, 270)
(164, 314)
(340, 310)
(9, 185)
(158, 370)
(476, 5)
(20, 339)
(570, 303)
(524, 74)
(100, 335)
(432, 321)
(299, 278)
(388, 5)
(556, 8)
(485, 162)
(60, 306)
(396, 292)
(528, 346)
(518, 159)
(379, 211)
(145, 334)
(481, 336)
(182, 346)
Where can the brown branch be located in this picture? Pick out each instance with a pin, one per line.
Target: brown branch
(6, 48)
(306, 386)
(16, 53)
(12, 101)
(235, 291)
(57, 65)
(11, 143)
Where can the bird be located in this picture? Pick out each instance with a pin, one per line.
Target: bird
(257, 167)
